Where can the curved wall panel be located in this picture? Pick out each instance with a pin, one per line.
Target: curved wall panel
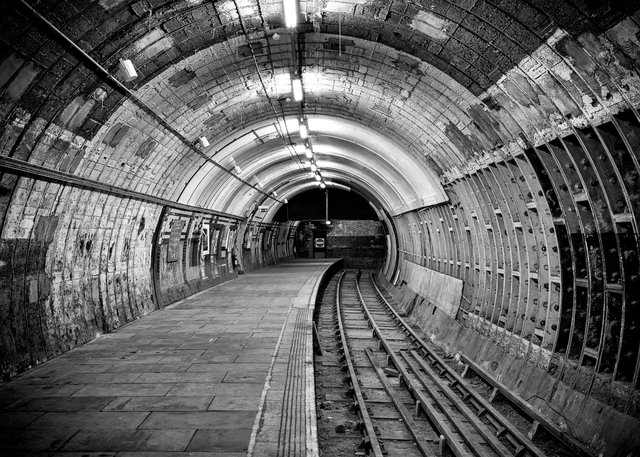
(546, 246)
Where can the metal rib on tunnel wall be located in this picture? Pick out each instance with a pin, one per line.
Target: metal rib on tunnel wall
(194, 251)
(70, 271)
(546, 244)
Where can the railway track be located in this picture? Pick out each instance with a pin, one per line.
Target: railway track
(409, 399)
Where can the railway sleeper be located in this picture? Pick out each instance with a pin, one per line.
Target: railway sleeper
(366, 445)
(527, 410)
(440, 424)
(445, 371)
(401, 408)
(486, 410)
(494, 394)
(418, 367)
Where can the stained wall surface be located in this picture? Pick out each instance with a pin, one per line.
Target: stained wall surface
(496, 141)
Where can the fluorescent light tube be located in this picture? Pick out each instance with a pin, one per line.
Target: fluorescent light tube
(296, 87)
(290, 13)
(128, 69)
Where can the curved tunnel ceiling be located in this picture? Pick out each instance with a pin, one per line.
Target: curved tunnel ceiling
(409, 95)
(522, 115)
(343, 149)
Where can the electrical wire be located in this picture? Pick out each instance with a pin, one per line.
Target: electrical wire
(133, 97)
(288, 146)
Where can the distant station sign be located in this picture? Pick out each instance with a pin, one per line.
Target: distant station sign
(319, 243)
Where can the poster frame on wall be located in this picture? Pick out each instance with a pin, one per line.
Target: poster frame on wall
(205, 238)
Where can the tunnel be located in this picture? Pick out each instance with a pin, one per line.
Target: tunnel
(482, 156)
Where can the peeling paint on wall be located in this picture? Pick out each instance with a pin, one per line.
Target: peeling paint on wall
(148, 39)
(576, 53)
(110, 4)
(431, 25)
(627, 35)
(74, 115)
(153, 43)
(19, 80)
(462, 142)
(488, 126)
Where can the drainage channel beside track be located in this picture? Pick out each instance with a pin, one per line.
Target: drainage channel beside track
(384, 391)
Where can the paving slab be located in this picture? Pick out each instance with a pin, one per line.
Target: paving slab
(236, 440)
(100, 420)
(16, 420)
(168, 454)
(113, 389)
(234, 403)
(226, 372)
(130, 440)
(158, 404)
(31, 441)
(60, 404)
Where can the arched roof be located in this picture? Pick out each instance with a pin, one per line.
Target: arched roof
(399, 96)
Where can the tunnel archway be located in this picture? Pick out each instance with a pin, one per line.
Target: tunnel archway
(347, 225)
(497, 141)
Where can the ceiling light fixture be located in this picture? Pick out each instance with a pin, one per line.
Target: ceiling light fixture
(318, 178)
(203, 142)
(128, 69)
(304, 133)
(314, 167)
(326, 204)
(323, 185)
(236, 167)
(290, 13)
(308, 153)
(296, 87)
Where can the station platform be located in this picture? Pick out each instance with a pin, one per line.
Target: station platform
(227, 372)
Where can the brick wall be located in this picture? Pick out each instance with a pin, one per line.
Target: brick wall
(362, 244)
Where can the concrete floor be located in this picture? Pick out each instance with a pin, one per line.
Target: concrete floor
(224, 373)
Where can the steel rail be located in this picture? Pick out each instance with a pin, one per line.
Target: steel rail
(400, 407)
(370, 433)
(433, 414)
(492, 439)
(484, 407)
(526, 409)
